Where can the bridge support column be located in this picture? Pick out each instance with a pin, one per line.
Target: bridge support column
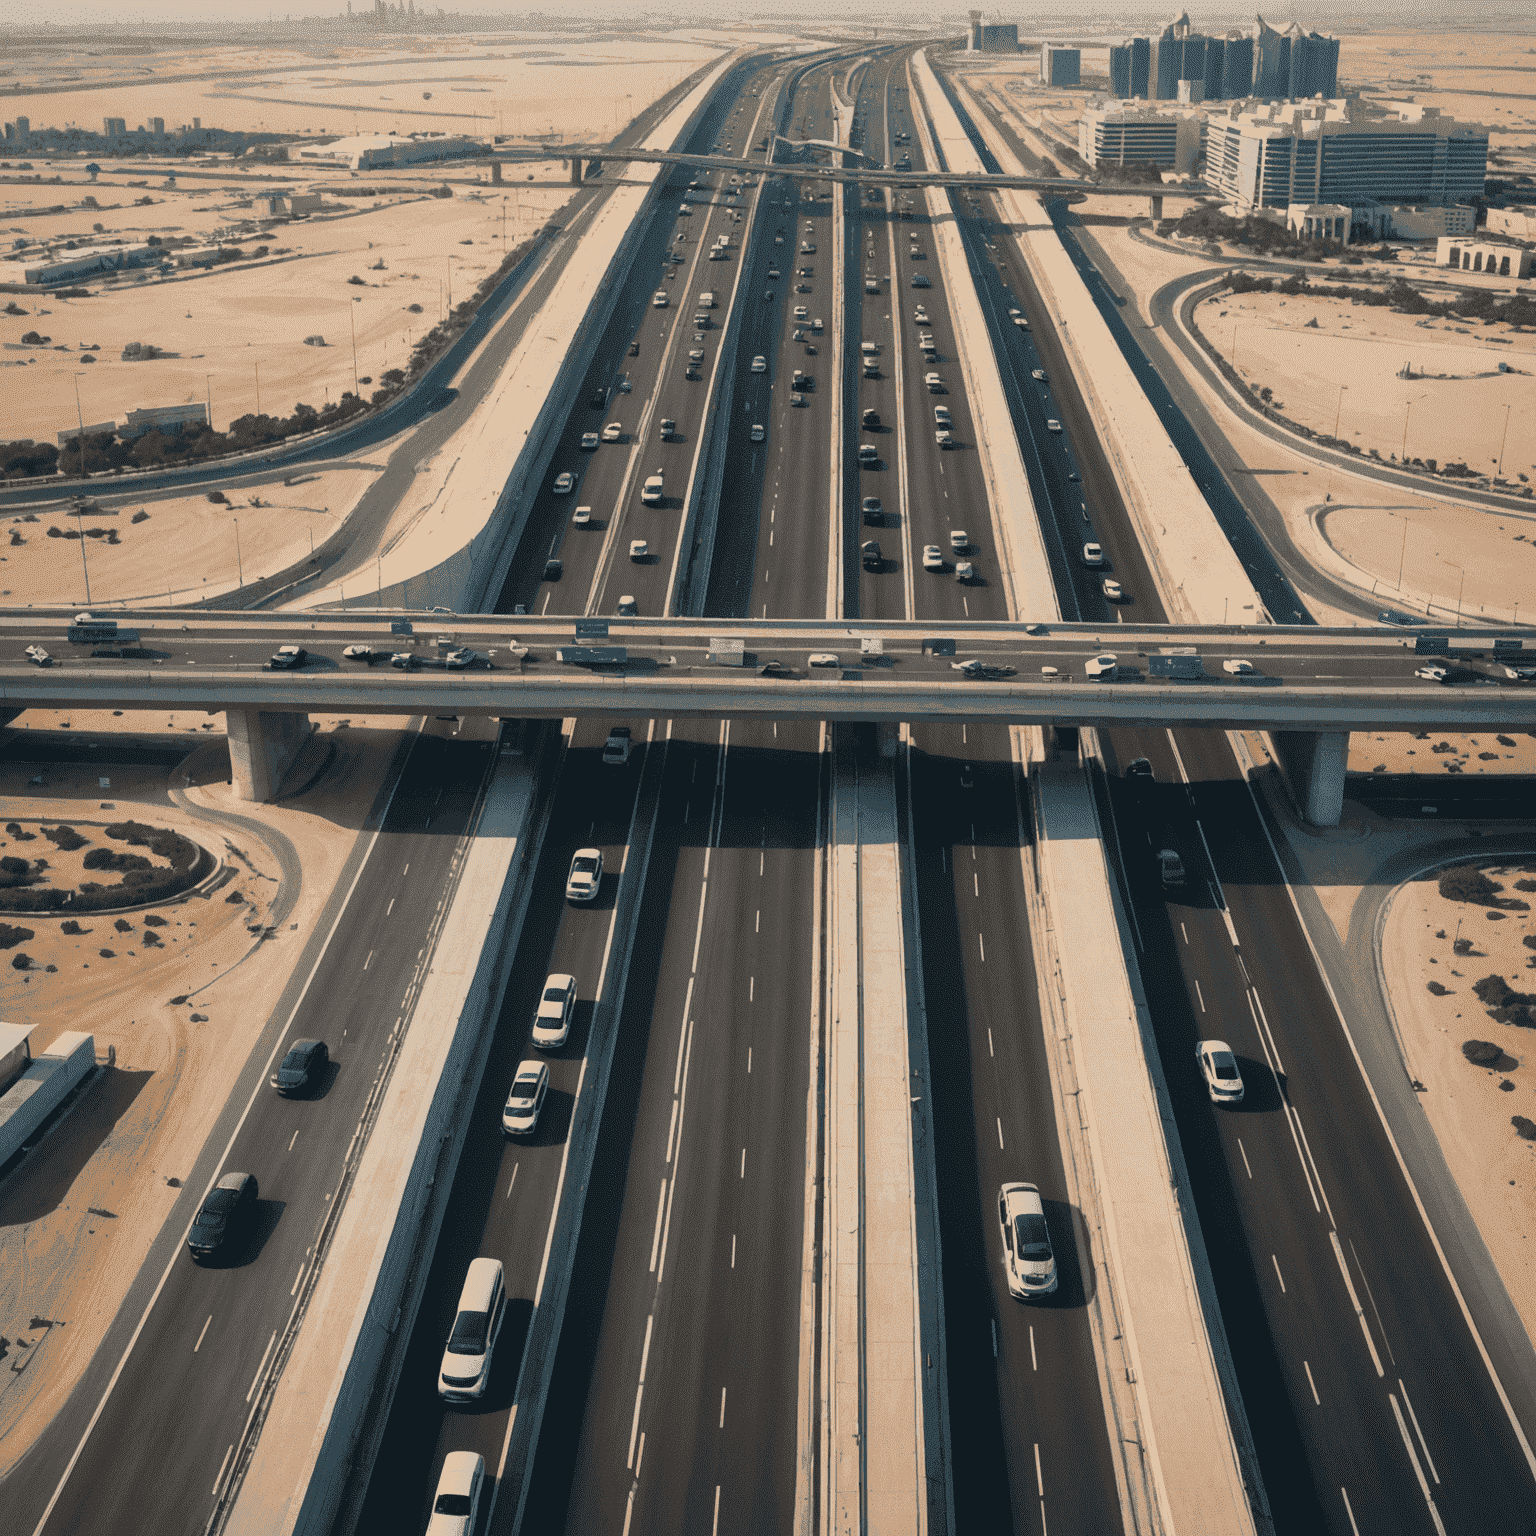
(262, 747)
(1314, 762)
(495, 173)
(575, 171)
(1155, 206)
(888, 737)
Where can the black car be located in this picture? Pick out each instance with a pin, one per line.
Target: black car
(874, 513)
(870, 557)
(224, 1215)
(303, 1069)
(870, 417)
(597, 399)
(553, 570)
(1138, 768)
(776, 669)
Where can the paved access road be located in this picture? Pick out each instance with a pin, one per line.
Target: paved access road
(1371, 1405)
(145, 1440)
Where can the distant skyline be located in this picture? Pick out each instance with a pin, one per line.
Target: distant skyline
(25, 14)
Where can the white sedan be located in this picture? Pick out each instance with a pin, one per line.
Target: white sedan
(933, 557)
(1106, 665)
(520, 1117)
(1028, 1261)
(1431, 673)
(565, 483)
(759, 432)
(638, 549)
(552, 1018)
(1113, 591)
(1218, 1066)
(1235, 666)
(759, 365)
(822, 659)
(613, 432)
(583, 517)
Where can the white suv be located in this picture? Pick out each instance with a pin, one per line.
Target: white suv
(552, 1018)
(586, 875)
(1027, 1257)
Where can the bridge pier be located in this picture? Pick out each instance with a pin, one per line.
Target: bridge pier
(262, 747)
(575, 170)
(1155, 205)
(1314, 763)
(495, 173)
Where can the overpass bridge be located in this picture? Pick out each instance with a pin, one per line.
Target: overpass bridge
(1309, 686)
(870, 175)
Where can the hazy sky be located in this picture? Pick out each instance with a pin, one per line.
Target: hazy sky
(31, 13)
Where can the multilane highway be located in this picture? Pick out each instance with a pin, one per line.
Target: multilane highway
(1372, 1406)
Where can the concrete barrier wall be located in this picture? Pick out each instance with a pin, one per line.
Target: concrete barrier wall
(1021, 543)
(482, 503)
(309, 1419)
(1199, 575)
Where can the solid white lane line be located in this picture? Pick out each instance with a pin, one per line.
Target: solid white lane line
(682, 1041)
(743, 1162)
(1418, 1471)
(256, 1380)
(1034, 1363)
(1344, 1494)
(751, 989)
(390, 908)
(722, 1407)
(1199, 994)
(733, 1250)
(1256, 1006)
(990, 1051)
(672, 1131)
(981, 940)
(513, 1179)
(661, 1207)
(1278, 1276)
(645, 1355)
(204, 1330)
(1296, 1116)
(715, 1528)
(1241, 1149)
(757, 923)
(1000, 1133)
(1354, 1301)
(1308, 1369)
(218, 1482)
(369, 960)
(294, 1288)
(1185, 932)
(1414, 1418)
(1039, 1480)
(976, 883)
(294, 1138)
(749, 1061)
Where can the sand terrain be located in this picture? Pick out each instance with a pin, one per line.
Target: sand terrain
(184, 549)
(1470, 1107)
(74, 1228)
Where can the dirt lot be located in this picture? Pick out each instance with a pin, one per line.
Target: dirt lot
(77, 1220)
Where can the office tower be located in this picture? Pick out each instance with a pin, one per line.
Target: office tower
(115, 127)
(1128, 67)
(1060, 66)
(1236, 67)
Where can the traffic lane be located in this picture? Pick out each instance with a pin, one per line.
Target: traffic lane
(505, 1189)
(1359, 1184)
(697, 1370)
(1029, 1444)
(196, 1392)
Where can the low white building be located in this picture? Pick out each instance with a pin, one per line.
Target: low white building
(1517, 223)
(163, 418)
(1134, 132)
(368, 151)
(1320, 221)
(1489, 256)
(1418, 221)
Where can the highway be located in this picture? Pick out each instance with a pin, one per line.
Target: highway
(1031, 1450)
(687, 1271)
(1371, 1406)
(145, 1439)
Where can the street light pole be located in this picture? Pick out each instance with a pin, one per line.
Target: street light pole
(1499, 473)
(1402, 556)
(80, 418)
(84, 564)
(1338, 411)
(239, 563)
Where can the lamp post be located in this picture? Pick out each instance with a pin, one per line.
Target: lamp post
(1338, 411)
(1460, 588)
(80, 418)
(1407, 410)
(1402, 555)
(1499, 472)
(84, 564)
(239, 563)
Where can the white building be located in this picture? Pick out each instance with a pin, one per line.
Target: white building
(1487, 256)
(163, 418)
(1135, 132)
(1517, 223)
(371, 150)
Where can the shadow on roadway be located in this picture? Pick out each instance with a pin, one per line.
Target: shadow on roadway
(43, 1180)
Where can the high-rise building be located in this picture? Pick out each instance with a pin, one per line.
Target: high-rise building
(23, 129)
(996, 38)
(1128, 66)
(1330, 152)
(1314, 64)
(1236, 68)
(1137, 133)
(1269, 64)
(157, 127)
(1060, 66)
(115, 127)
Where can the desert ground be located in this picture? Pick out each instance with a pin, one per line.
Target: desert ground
(72, 1237)
(366, 275)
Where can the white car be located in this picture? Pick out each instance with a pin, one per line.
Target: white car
(1431, 673)
(552, 1018)
(959, 540)
(582, 517)
(1103, 666)
(759, 364)
(773, 272)
(821, 659)
(659, 299)
(934, 382)
(639, 549)
(586, 875)
(565, 483)
(759, 432)
(1093, 556)
(613, 432)
(358, 652)
(520, 1117)
(456, 1504)
(920, 315)
(1113, 592)
(589, 441)
(933, 558)
(1028, 1261)
(801, 312)
(1218, 1066)
(651, 491)
(1038, 375)
(965, 572)
(1052, 425)
(38, 656)
(943, 437)
(1236, 667)
(628, 608)
(616, 749)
